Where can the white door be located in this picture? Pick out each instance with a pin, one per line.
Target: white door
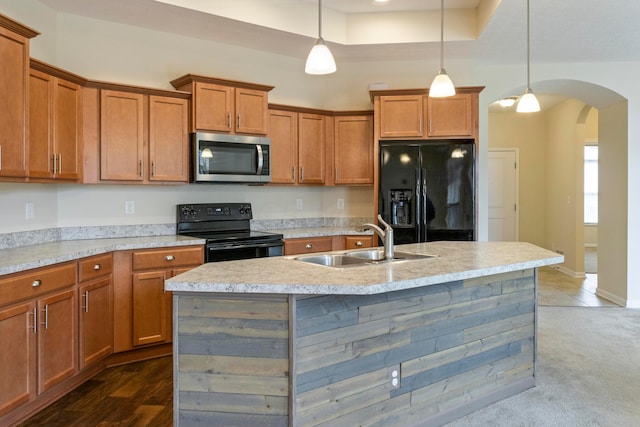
(503, 195)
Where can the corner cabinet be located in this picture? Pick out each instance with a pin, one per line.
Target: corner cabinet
(142, 308)
(225, 105)
(14, 92)
(55, 128)
(135, 135)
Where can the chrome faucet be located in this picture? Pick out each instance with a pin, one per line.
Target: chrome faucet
(386, 235)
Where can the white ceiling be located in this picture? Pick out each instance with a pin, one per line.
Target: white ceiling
(561, 30)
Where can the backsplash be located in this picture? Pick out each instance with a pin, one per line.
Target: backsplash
(36, 237)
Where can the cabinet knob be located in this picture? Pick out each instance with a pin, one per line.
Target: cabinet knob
(309, 246)
(97, 267)
(36, 283)
(169, 258)
(358, 243)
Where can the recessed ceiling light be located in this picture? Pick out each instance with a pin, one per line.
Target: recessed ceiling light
(380, 2)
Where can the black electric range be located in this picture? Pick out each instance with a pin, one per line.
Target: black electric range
(227, 230)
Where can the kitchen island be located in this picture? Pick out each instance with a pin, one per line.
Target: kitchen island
(280, 342)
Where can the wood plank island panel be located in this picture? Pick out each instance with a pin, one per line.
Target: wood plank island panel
(455, 347)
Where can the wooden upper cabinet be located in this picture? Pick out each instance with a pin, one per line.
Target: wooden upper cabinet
(353, 150)
(453, 116)
(283, 131)
(311, 148)
(121, 136)
(168, 139)
(55, 129)
(213, 107)
(14, 92)
(225, 105)
(401, 116)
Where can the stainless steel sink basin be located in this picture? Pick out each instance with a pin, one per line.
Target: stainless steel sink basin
(378, 255)
(358, 258)
(332, 260)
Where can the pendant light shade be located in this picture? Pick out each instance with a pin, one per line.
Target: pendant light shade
(528, 102)
(320, 59)
(442, 86)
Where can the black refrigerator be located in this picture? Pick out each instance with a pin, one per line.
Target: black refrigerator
(426, 190)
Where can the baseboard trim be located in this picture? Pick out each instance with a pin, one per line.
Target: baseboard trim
(614, 298)
(571, 273)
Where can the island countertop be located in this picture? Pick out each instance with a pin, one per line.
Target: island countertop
(286, 275)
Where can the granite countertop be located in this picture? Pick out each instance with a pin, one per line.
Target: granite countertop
(285, 275)
(27, 257)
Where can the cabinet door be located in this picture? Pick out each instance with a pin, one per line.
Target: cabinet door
(67, 127)
(96, 321)
(213, 107)
(150, 307)
(14, 51)
(283, 131)
(57, 338)
(353, 155)
(40, 125)
(401, 116)
(17, 356)
(451, 116)
(121, 136)
(251, 111)
(311, 152)
(168, 139)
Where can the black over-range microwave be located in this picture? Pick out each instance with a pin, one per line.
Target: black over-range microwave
(230, 158)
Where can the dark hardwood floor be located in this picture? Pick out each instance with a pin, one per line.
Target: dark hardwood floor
(138, 394)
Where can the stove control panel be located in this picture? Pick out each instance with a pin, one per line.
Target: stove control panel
(214, 212)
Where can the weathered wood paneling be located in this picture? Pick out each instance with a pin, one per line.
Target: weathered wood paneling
(453, 343)
(233, 361)
(248, 360)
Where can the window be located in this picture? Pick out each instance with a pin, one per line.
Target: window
(590, 184)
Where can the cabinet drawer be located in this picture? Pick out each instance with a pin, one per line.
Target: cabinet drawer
(97, 266)
(168, 258)
(307, 245)
(358, 242)
(36, 282)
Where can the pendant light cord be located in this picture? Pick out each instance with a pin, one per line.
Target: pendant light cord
(319, 19)
(528, 50)
(442, 34)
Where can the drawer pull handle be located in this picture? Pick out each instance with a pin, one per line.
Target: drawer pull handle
(36, 283)
(97, 267)
(358, 243)
(86, 301)
(169, 258)
(35, 320)
(309, 246)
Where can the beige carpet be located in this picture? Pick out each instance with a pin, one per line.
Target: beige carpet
(588, 373)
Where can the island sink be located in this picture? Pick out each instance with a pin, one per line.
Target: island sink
(359, 258)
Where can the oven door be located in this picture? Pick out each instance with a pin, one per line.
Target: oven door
(215, 252)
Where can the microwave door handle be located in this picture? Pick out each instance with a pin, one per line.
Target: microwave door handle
(260, 159)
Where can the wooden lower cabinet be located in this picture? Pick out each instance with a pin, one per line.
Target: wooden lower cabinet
(307, 245)
(358, 242)
(96, 309)
(142, 308)
(38, 332)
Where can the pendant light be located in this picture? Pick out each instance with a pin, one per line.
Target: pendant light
(320, 59)
(442, 86)
(528, 102)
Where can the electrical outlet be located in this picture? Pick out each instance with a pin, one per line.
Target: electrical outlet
(340, 204)
(29, 211)
(395, 376)
(299, 204)
(129, 207)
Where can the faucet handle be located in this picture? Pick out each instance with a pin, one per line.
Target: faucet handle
(387, 227)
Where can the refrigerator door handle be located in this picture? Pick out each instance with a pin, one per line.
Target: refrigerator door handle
(418, 208)
(423, 201)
